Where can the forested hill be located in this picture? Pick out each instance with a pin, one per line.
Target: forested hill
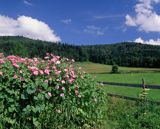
(123, 54)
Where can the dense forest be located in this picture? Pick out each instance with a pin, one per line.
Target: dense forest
(123, 54)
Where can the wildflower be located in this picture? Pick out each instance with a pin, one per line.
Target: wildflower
(58, 72)
(49, 94)
(58, 62)
(35, 73)
(1, 73)
(47, 71)
(15, 65)
(41, 72)
(57, 87)
(15, 76)
(63, 81)
(79, 96)
(71, 80)
(46, 57)
(46, 81)
(62, 94)
(65, 70)
(76, 91)
(63, 88)
(2, 61)
(58, 111)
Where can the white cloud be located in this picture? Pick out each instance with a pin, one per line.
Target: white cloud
(66, 21)
(94, 30)
(27, 2)
(146, 18)
(27, 27)
(150, 42)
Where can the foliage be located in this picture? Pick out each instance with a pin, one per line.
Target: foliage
(123, 54)
(123, 114)
(114, 69)
(49, 93)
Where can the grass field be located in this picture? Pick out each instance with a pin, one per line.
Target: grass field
(94, 68)
(153, 94)
(127, 75)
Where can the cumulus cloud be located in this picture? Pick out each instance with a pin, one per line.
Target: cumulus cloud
(66, 21)
(27, 27)
(146, 19)
(27, 2)
(94, 30)
(150, 42)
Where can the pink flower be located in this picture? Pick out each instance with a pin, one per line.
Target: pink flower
(47, 71)
(46, 81)
(15, 76)
(41, 72)
(50, 78)
(63, 88)
(57, 87)
(1, 55)
(15, 65)
(71, 80)
(2, 61)
(49, 94)
(62, 94)
(65, 70)
(1, 73)
(63, 81)
(58, 72)
(76, 91)
(35, 73)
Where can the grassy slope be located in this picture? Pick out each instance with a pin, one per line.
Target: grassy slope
(102, 69)
(127, 75)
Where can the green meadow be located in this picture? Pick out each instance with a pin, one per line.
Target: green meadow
(129, 75)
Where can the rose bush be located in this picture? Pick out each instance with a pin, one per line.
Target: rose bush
(47, 93)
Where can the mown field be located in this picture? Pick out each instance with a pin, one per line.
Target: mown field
(126, 75)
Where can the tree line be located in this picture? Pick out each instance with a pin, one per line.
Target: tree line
(123, 54)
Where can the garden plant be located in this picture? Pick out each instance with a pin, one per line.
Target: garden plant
(49, 93)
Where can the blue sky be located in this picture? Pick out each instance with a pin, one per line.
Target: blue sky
(82, 21)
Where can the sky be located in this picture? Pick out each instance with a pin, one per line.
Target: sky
(82, 22)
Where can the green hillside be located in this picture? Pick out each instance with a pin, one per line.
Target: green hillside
(123, 54)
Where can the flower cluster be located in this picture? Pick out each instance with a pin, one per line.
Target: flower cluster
(53, 70)
(31, 86)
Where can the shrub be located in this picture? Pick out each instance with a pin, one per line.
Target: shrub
(114, 68)
(49, 93)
